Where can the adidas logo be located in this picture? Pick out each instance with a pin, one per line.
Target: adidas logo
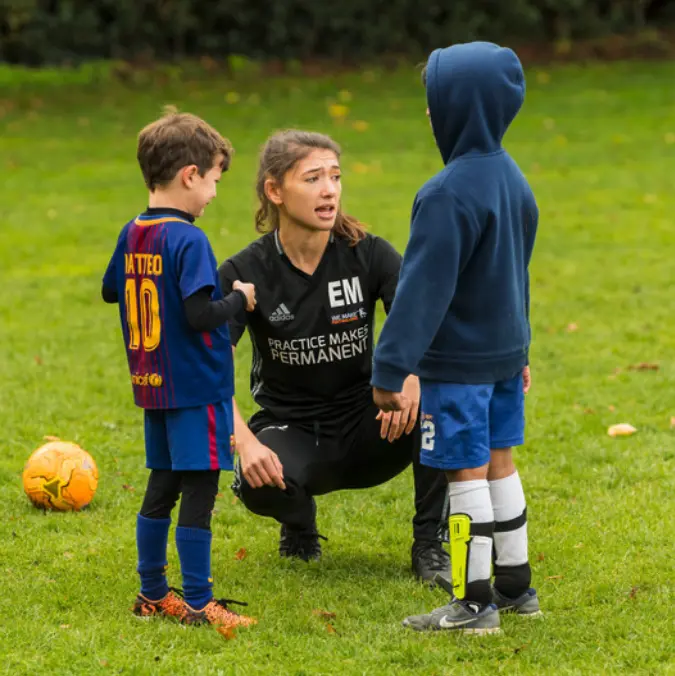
(281, 314)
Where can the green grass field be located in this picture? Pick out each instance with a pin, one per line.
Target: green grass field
(597, 143)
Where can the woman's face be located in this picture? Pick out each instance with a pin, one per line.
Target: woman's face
(310, 193)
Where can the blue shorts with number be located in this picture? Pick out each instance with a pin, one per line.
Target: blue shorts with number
(461, 423)
(196, 438)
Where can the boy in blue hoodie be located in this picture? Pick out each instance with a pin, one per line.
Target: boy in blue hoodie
(460, 321)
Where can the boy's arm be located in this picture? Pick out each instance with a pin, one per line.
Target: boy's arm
(531, 231)
(197, 279)
(228, 274)
(204, 314)
(109, 295)
(441, 241)
(527, 312)
(109, 285)
(386, 265)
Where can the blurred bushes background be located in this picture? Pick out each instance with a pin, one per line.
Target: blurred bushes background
(37, 32)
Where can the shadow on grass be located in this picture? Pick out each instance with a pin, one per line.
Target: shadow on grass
(366, 566)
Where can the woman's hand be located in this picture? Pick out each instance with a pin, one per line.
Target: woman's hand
(260, 465)
(395, 423)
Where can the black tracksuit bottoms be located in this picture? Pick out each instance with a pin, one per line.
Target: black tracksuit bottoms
(319, 459)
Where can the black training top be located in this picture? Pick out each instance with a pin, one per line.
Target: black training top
(312, 335)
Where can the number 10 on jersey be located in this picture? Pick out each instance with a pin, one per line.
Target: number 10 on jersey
(145, 327)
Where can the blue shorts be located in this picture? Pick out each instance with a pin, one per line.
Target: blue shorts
(196, 438)
(461, 423)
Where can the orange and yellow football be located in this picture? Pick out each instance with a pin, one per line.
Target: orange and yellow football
(61, 476)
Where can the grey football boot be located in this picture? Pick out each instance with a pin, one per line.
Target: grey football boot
(461, 616)
(526, 604)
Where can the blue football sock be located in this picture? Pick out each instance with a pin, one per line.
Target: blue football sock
(194, 552)
(151, 541)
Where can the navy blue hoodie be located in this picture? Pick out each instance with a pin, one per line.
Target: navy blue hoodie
(461, 310)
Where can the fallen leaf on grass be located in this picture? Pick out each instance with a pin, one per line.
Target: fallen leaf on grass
(129, 488)
(611, 408)
(633, 592)
(572, 327)
(241, 554)
(38, 359)
(520, 648)
(65, 626)
(226, 632)
(672, 423)
(540, 556)
(621, 430)
(554, 577)
(331, 629)
(643, 366)
(337, 111)
(324, 614)
(579, 545)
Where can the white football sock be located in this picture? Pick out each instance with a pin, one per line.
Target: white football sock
(508, 503)
(471, 574)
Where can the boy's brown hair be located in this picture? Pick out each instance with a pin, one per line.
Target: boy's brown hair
(178, 140)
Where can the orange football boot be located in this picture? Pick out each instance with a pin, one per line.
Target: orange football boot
(217, 613)
(172, 605)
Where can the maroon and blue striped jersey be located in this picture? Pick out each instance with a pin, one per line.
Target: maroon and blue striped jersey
(160, 260)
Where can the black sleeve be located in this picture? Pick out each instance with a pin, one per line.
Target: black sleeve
(109, 295)
(385, 266)
(204, 314)
(227, 274)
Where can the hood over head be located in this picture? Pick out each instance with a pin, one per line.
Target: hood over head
(474, 91)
